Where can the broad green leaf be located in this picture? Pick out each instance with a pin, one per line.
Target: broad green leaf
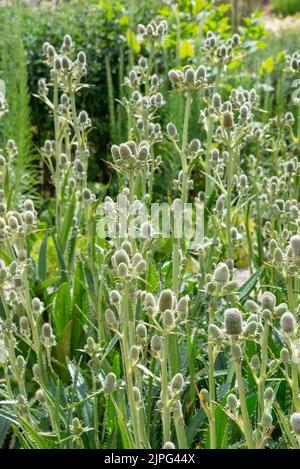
(132, 42)
(186, 49)
(62, 310)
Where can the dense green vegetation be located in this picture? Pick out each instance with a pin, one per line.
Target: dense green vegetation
(117, 330)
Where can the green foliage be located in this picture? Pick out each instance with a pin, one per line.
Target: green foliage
(285, 7)
(17, 123)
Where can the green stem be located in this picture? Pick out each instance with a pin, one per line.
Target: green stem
(211, 385)
(96, 414)
(128, 368)
(244, 410)
(263, 370)
(165, 392)
(208, 181)
(229, 201)
(180, 427)
(184, 188)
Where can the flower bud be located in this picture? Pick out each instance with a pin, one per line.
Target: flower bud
(40, 396)
(214, 331)
(20, 362)
(24, 324)
(183, 305)
(166, 300)
(86, 194)
(141, 331)
(284, 355)
(137, 394)
(141, 267)
(122, 270)
(288, 323)
(195, 145)
(205, 395)
(232, 402)
(81, 57)
(201, 72)
(295, 423)
(227, 120)
(255, 362)
(216, 100)
(171, 130)
(266, 420)
(177, 382)
(233, 321)
(189, 76)
(115, 297)
(110, 383)
(156, 343)
(168, 319)
(268, 301)
(110, 317)
(46, 331)
(295, 245)
(269, 394)
(221, 273)
(134, 353)
(168, 445)
(36, 371)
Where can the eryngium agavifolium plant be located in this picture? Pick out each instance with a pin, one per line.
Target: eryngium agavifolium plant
(128, 326)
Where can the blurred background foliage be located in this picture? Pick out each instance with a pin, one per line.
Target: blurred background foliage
(106, 31)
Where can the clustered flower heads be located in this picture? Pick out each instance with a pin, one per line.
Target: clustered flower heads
(67, 72)
(129, 156)
(153, 31)
(218, 51)
(188, 79)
